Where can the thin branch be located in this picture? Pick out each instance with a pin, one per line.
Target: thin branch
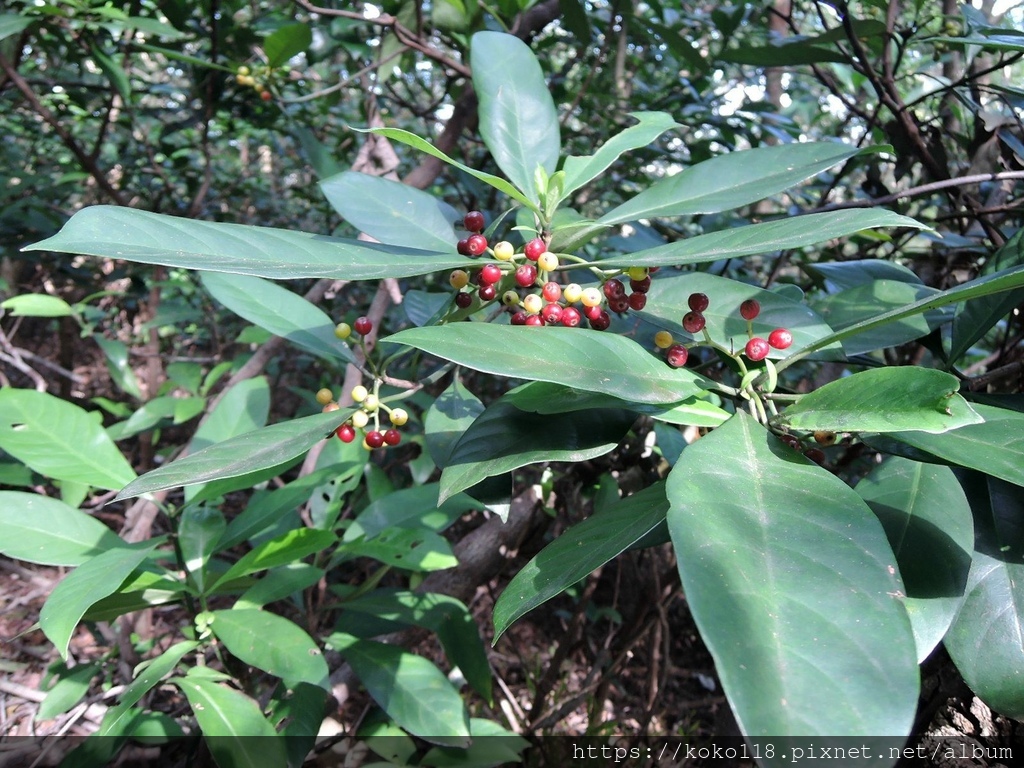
(923, 189)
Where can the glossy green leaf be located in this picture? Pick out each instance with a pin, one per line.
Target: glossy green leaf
(518, 120)
(243, 408)
(498, 183)
(840, 275)
(579, 551)
(986, 640)
(281, 550)
(86, 585)
(413, 692)
(928, 522)
(253, 451)
(890, 399)
(390, 211)
(36, 305)
(12, 24)
(60, 440)
(282, 312)
(119, 365)
(199, 529)
(784, 54)
(447, 617)
(229, 721)
(278, 584)
(767, 237)
(154, 238)
(581, 170)
(143, 589)
(286, 42)
(274, 644)
(593, 361)
(415, 507)
(413, 549)
(492, 746)
(995, 447)
(731, 180)
(794, 589)
(70, 688)
(448, 417)
(38, 529)
(504, 438)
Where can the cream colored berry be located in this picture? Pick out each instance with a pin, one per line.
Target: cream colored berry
(504, 250)
(399, 416)
(360, 419)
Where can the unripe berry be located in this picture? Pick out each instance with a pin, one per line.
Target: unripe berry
(504, 250)
(677, 355)
(458, 279)
(780, 338)
(526, 275)
(487, 293)
(534, 249)
(490, 274)
(823, 437)
(399, 416)
(637, 273)
(363, 325)
(374, 439)
(370, 403)
(571, 317)
(547, 261)
(591, 297)
(572, 293)
(343, 330)
(533, 303)
(601, 322)
(474, 221)
(757, 349)
(360, 419)
(663, 340)
(693, 322)
(359, 393)
(510, 299)
(750, 309)
(463, 300)
(330, 407)
(324, 396)
(476, 245)
(345, 433)
(551, 291)
(392, 437)
(698, 302)
(637, 301)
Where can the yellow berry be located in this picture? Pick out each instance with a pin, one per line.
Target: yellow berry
(459, 279)
(343, 330)
(359, 393)
(533, 303)
(504, 250)
(370, 403)
(324, 396)
(663, 339)
(637, 273)
(243, 70)
(399, 416)
(360, 419)
(572, 293)
(547, 261)
(591, 297)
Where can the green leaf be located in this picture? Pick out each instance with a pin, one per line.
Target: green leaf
(38, 529)
(447, 418)
(86, 585)
(518, 120)
(286, 42)
(243, 408)
(37, 304)
(280, 311)
(890, 399)
(793, 587)
(414, 141)
(115, 73)
(985, 640)
(154, 238)
(301, 714)
(279, 583)
(119, 365)
(783, 54)
(59, 440)
(413, 692)
(229, 720)
(271, 643)
(592, 361)
(995, 447)
(286, 548)
(69, 689)
(12, 24)
(415, 507)
(733, 179)
(574, 17)
(199, 529)
(504, 438)
(390, 211)
(253, 451)
(928, 522)
(769, 236)
(840, 275)
(579, 551)
(413, 549)
(581, 170)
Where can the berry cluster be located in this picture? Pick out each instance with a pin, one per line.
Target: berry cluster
(374, 436)
(255, 80)
(693, 322)
(814, 453)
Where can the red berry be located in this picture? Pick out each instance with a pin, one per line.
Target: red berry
(374, 439)
(757, 349)
(266, 95)
(463, 246)
(780, 338)
(640, 286)
(614, 288)
(571, 317)
(601, 322)
(345, 433)
(750, 309)
(535, 248)
(816, 455)
(551, 314)
(618, 304)
(534, 320)
(791, 440)
(392, 437)
(637, 301)
(362, 325)
(476, 245)
(551, 292)
(592, 313)
(473, 221)
(487, 292)
(463, 300)
(698, 301)
(519, 318)
(526, 275)
(693, 322)
(490, 274)
(676, 355)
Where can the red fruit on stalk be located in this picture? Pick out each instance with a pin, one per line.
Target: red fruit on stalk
(750, 309)
(345, 433)
(534, 249)
(476, 245)
(534, 320)
(571, 317)
(677, 355)
(490, 274)
(640, 286)
(374, 439)
(614, 288)
(698, 301)
(637, 301)
(519, 318)
(473, 221)
(487, 293)
(463, 300)
(551, 314)
(601, 322)
(392, 437)
(757, 349)
(362, 325)
(551, 291)
(463, 246)
(780, 338)
(526, 275)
